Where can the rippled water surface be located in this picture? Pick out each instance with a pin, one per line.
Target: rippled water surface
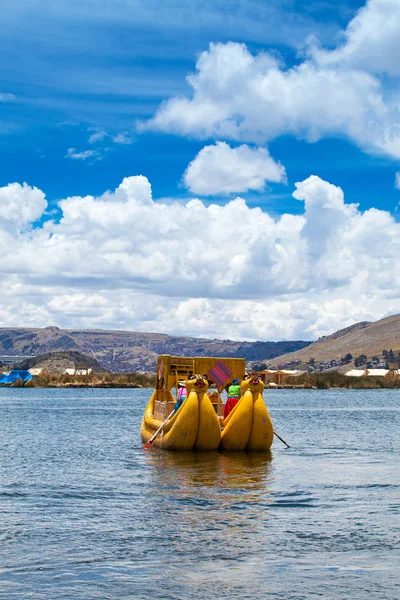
(86, 514)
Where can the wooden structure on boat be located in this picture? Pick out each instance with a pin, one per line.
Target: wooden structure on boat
(173, 369)
(198, 424)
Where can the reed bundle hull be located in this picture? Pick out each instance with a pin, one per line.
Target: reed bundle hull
(195, 425)
(237, 425)
(181, 430)
(262, 429)
(209, 430)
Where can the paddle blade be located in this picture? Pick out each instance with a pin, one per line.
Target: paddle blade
(147, 445)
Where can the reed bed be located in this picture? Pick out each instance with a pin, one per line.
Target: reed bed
(96, 380)
(335, 379)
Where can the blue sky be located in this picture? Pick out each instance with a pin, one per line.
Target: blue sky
(106, 64)
(88, 97)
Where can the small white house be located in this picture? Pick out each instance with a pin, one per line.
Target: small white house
(293, 372)
(77, 371)
(377, 372)
(83, 371)
(355, 373)
(370, 372)
(35, 371)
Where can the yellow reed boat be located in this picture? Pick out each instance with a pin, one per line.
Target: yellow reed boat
(198, 424)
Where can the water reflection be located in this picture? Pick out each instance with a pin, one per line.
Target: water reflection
(189, 471)
(216, 505)
(211, 488)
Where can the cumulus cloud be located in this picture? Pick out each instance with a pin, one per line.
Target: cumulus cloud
(254, 98)
(371, 40)
(20, 205)
(220, 169)
(125, 260)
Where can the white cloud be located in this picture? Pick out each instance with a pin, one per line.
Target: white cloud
(371, 40)
(254, 98)
(20, 205)
(98, 135)
(220, 169)
(124, 260)
(84, 155)
(4, 97)
(123, 138)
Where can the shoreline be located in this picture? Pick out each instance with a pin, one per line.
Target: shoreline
(69, 385)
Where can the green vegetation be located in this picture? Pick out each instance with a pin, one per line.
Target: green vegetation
(260, 367)
(96, 380)
(348, 358)
(334, 379)
(360, 360)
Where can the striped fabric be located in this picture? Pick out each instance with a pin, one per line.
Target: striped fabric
(220, 373)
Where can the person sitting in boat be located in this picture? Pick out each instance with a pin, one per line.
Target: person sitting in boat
(233, 397)
(181, 395)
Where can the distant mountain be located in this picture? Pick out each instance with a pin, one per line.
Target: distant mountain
(125, 351)
(57, 362)
(362, 338)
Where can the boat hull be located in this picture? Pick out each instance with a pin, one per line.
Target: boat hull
(262, 429)
(195, 426)
(209, 430)
(181, 430)
(237, 425)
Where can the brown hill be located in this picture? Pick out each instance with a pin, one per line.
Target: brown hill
(127, 351)
(57, 362)
(362, 338)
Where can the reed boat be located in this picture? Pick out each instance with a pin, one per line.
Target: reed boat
(198, 424)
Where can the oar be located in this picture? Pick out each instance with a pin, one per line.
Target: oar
(282, 440)
(153, 437)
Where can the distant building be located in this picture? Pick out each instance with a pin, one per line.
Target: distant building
(10, 360)
(377, 372)
(77, 371)
(355, 373)
(279, 376)
(368, 372)
(35, 371)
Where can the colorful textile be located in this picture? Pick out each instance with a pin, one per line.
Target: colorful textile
(234, 391)
(179, 403)
(220, 373)
(182, 393)
(230, 404)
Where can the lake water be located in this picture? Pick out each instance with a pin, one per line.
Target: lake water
(86, 514)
